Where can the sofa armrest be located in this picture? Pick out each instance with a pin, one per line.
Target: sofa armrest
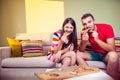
(5, 52)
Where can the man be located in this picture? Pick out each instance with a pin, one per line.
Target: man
(101, 38)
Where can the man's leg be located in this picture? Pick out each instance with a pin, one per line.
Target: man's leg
(81, 57)
(112, 65)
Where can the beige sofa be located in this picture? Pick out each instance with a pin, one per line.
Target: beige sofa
(20, 68)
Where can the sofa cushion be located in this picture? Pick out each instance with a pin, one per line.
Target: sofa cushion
(33, 54)
(32, 48)
(15, 47)
(19, 62)
(97, 64)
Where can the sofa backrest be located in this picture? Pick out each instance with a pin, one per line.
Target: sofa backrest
(45, 37)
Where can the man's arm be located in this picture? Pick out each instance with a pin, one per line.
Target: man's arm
(109, 45)
(83, 42)
(83, 45)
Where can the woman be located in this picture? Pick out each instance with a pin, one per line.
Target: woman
(64, 44)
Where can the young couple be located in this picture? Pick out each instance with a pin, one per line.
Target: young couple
(65, 49)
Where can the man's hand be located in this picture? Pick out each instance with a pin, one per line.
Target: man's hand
(84, 40)
(95, 35)
(84, 34)
(85, 37)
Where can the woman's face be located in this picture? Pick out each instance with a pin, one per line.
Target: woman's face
(68, 28)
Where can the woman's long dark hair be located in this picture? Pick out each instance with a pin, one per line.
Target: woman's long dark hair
(73, 36)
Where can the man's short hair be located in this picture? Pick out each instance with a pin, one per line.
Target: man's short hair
(87, 15)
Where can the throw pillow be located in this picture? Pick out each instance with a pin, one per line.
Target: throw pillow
(32, 48)
(33, 54)
(20, 40)
(15, 47)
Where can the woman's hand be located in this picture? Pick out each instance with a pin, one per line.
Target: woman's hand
(57, 56)
(69, 47)
(64, 38)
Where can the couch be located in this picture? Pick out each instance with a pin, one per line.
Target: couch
(23, 68)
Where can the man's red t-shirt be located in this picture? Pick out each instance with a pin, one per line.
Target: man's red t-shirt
(105, 31)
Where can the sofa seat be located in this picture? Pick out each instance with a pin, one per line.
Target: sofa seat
(97, 64)
(34, 62)
(27, 62)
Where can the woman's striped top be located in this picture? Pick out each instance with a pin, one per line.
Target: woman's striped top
(55, 39)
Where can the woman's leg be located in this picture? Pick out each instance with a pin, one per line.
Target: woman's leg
(69, 58)
(66, 62)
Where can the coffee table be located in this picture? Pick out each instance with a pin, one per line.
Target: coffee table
(101, 75)
(94, 76)
(69, 73)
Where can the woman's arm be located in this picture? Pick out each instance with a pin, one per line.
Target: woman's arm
(61, 41)
(59, 53)
(57, 48)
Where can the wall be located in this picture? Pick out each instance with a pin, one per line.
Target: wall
(0, 16)
(44, 15)
(12, 18)
(104, 11)
(17, 16)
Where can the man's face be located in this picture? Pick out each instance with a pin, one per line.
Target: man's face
(88, 23)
